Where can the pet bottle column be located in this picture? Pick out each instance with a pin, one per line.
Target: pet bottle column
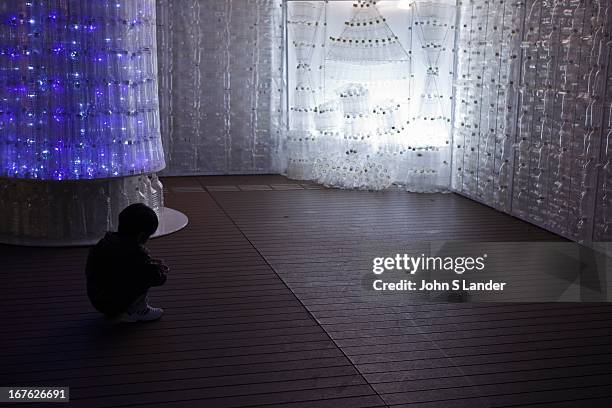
(79, 117)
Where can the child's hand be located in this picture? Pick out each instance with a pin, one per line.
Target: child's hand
(161, 265)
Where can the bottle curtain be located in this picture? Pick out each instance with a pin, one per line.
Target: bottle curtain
(369, 93)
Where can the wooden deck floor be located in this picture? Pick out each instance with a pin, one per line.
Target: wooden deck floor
(255, 315)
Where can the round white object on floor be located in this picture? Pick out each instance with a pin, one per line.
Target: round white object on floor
(170, 222)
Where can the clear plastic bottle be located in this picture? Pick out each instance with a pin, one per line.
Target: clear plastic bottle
(36, 210)
(121, 201)
(15, 220)
(139, 196)
(4, 208)
(147, 191)
(77, 221)
(158, 193)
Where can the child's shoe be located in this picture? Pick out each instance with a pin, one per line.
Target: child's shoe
(147, 314)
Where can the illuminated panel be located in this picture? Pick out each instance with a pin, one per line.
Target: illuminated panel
(78, 89)
(370, 93)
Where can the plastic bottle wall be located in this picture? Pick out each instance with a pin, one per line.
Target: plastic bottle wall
(71, 212)
(78, 89)
(602, 226)
(532, 112)
(220, 85)
(370, 93)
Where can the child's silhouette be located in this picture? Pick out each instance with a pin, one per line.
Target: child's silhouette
(120, 270)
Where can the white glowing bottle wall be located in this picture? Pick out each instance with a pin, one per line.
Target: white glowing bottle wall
(370, 86)
(532, 112)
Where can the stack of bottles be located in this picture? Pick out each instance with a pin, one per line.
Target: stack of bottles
(381, 101)
(532, 95)
(57, 212)
(221, 85)
(78, 89)
(603, 204)
(486, 91)
(304, 26)
(364, 57)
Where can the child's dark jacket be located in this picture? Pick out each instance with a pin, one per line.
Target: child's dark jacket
(118, 272)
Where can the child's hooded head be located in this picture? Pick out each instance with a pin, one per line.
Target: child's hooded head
(138, 222)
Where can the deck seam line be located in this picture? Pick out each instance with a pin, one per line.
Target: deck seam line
(296, 296)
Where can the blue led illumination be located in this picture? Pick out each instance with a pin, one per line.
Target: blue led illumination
(78, 89)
